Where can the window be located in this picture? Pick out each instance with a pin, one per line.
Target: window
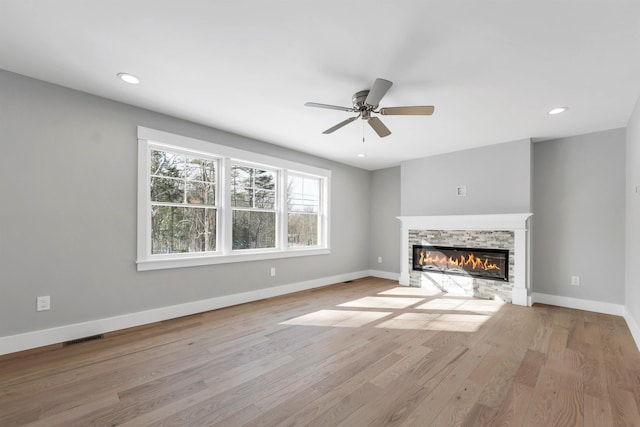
(183, 203)
(303, 210)
(201, 203)
(253, 202)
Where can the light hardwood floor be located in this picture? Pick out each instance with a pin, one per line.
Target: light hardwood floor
(366, 353)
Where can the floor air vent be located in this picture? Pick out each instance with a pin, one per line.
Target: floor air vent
(81, 340)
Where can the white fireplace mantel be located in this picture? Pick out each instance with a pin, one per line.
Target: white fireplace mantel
(518, 223)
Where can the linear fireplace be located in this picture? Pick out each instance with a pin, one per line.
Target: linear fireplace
(482, 263)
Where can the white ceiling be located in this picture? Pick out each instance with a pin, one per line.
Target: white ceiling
(492, 68)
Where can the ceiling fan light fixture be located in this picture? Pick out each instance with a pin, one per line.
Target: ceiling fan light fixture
(129, 78)
(557, 110)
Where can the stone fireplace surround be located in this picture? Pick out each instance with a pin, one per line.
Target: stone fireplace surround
(517, 224)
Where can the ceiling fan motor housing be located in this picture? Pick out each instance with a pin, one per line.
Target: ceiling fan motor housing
(359, 99)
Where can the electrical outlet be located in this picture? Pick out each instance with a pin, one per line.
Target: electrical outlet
(43, 303)
(379, 260)
(273, 271)
(575, 280)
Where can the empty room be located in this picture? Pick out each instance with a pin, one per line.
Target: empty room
(290, 213)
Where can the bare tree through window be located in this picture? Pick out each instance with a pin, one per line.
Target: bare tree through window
(183, 203)
(303, 210)
(253, 202)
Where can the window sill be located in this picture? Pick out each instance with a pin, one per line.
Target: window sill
(166, 263)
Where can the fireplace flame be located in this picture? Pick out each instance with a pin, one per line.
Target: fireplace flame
(471, 261)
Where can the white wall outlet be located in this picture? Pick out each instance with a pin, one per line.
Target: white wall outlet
(379, 260)
(575, 280)
(461, 191)
(43, 303)
(273, 271)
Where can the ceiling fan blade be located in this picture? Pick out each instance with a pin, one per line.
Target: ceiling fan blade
(330, 107)
(379, 127)
(379, 89)
(425, 110)
(339, 125)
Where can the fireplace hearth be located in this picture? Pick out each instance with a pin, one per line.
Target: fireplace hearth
(483, 263)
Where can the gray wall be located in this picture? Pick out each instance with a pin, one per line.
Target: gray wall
(578, 202)
(632, 288)
(497, 177)
(68, 217)
(385, 228)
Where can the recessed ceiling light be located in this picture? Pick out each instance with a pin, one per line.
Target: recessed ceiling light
(129, 78)
(557, 110)
(362, 155)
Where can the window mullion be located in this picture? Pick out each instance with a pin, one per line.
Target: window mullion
(323, 211)
(226, 215)
(281, 207)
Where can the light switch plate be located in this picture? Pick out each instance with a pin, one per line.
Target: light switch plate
(43, 303)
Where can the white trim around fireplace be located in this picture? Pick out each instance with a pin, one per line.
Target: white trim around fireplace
(518, 223)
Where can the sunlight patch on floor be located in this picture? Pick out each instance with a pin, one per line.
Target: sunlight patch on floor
(411, 291)
(417, 321)
(412, 310)
(458, 322)
(462, 304)
(382, 302)
(337, 318)
(436, 322)
(442, 304)
(492, 306)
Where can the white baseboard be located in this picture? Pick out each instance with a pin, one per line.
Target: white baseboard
(580, 304)
(633, 327)
(385, 274)
(29, 340)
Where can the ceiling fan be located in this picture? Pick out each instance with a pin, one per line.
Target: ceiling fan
(365, 103)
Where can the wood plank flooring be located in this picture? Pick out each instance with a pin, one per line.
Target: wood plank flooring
(365, 353)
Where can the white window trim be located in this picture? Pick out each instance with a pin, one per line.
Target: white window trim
(224, 254)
